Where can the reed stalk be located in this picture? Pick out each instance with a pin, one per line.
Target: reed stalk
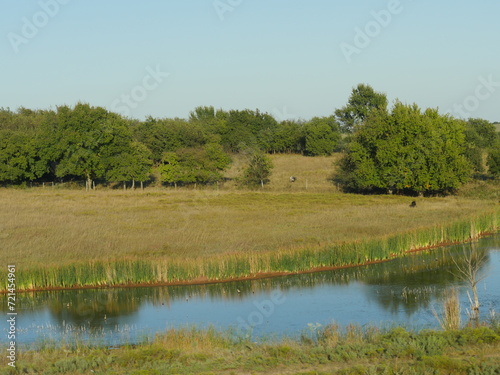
(450, 319)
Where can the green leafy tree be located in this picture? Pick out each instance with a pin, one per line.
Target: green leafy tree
(20, 152)
(82, 140)
(195, 165)
(480, 135)
(169, 135)
(322, 136)
(247, 129)
(362, 101)
(25, 120)
(172, 171)
(286, 137)
(475, 157)
(406, 151)
(258, 170)
(17, 157)
(211, 120)
(132, 164)
(494, 161)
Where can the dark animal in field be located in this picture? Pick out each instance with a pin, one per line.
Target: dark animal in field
(413, 204)
(293, 179)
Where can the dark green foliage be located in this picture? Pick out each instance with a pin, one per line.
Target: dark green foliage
(403, 151)
(21, 158)
(406, 151)
(169, 135)
(132, 163)
(209, 119)
(246, 129)
(84, 141)
(494, 162)
(23, 120)
(322, 136)
(287, 137)
(481, 133)
(195, 165)
(17, 157)
(480, 136)
(475, 157)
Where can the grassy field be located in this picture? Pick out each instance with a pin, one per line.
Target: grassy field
(49, 227)
(327, 350)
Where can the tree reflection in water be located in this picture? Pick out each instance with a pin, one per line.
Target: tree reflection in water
(406, 284)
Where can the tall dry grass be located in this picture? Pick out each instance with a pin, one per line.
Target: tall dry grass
(67, 237)
(450, 318)
(46, 227)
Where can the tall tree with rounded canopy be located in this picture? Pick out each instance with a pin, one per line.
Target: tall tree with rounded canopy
(362, 101)
(83, 138)
(406, 151)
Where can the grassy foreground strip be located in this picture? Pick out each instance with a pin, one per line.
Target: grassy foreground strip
(241, 265)
(326, 351)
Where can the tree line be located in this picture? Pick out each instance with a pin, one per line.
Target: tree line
(91, 143)
(402, 149)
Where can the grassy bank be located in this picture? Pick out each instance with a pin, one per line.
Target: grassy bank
(162, 267)
(66, 238)
(324, 351)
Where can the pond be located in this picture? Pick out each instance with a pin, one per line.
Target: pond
(400, 292)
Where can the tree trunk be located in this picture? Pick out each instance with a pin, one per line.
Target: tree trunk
(262, 183)
(88, 183)
(142, 185)
(475, 306)
(124, 185)
(133, 184)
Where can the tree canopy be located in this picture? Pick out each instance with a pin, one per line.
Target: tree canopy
(407, 150)
(362, 101)
(404, 150)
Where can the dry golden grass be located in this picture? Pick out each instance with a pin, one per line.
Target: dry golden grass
(52, 226)
(313, 173)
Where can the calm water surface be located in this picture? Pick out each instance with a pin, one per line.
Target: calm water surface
(400, 292)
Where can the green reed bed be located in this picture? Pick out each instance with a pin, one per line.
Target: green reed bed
(238, 264)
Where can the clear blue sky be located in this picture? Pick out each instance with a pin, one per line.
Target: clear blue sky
(281, 56)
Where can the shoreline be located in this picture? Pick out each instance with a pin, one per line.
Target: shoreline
(257, 276)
